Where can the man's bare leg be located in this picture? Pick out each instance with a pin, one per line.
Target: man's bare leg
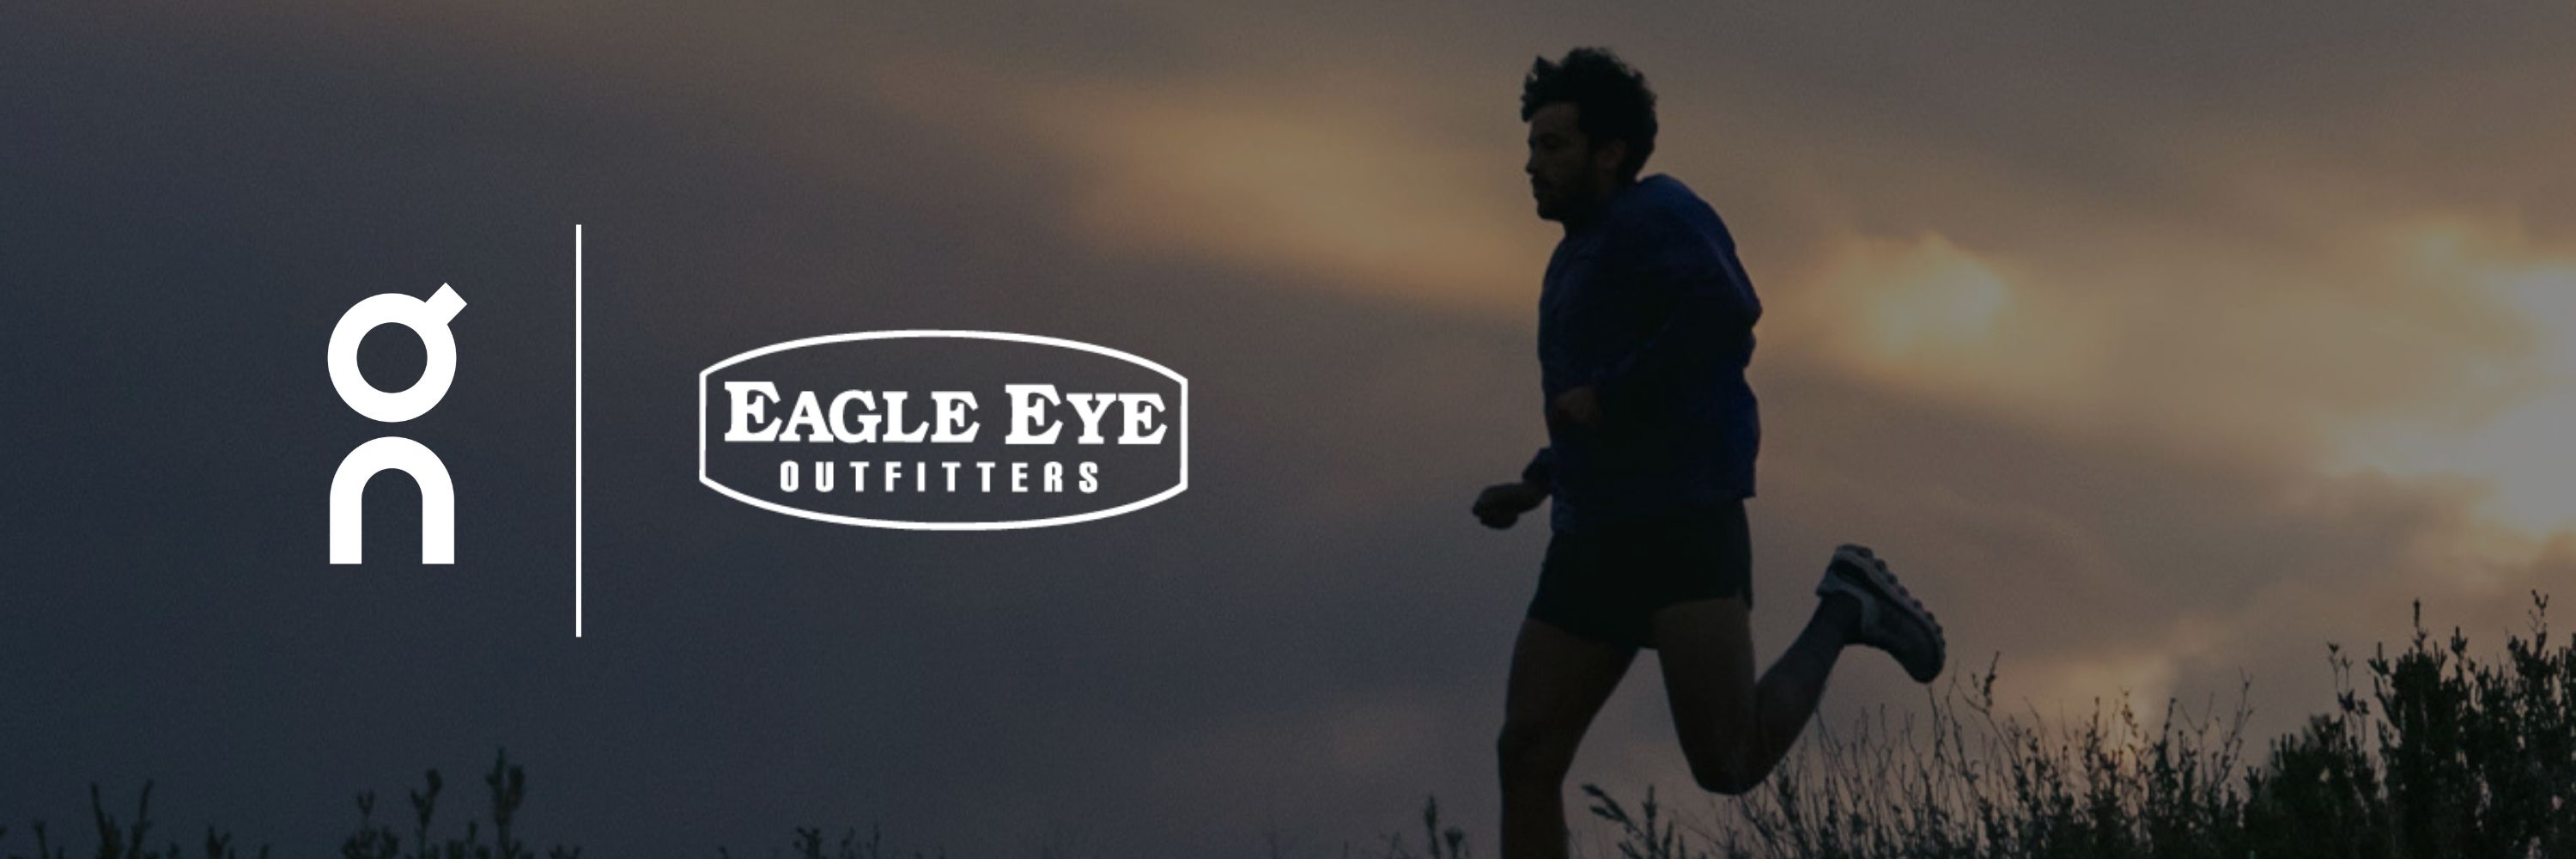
(1558, 683)
(1734, 729)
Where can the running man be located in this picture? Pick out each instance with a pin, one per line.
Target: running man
(1645, 328)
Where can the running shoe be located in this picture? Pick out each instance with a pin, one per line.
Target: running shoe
(1890, 618)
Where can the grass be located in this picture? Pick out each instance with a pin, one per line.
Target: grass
(2443, 757)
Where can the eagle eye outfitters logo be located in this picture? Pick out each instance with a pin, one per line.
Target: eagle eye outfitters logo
(943, 430)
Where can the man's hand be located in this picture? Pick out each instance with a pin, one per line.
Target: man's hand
(1578, 409)
(1503, 503)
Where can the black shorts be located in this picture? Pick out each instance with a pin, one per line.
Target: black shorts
(1605, 585)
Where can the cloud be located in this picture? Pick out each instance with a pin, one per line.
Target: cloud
(1282, 171)
(2125, 240)
(2073, 314)
(2515, 448)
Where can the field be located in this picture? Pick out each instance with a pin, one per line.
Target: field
(2441, 756)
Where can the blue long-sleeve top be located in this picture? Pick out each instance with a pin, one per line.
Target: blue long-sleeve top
(1648, 304)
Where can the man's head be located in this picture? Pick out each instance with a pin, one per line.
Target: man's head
(1592, 124)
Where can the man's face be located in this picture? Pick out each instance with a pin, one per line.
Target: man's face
(1568, 175)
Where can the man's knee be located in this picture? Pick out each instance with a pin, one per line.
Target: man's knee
(1725, 781)
(1724, 772)
(1531, 756)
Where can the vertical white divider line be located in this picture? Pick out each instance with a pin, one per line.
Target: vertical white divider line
(576, 430)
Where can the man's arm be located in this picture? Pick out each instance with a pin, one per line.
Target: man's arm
(1541, 471)
(1503, 503)
(1713, 297)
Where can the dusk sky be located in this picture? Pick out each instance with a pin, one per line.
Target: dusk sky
(2156, 346)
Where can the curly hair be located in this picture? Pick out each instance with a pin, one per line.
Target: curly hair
(1611, 99)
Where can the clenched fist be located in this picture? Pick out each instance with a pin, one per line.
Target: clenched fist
(1502, 504)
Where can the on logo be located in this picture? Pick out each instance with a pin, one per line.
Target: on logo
(348, 487)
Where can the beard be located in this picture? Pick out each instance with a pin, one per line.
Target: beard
(1551, 207)
(1559, 201)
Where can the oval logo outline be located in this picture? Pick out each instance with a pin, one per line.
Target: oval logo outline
(704, 376)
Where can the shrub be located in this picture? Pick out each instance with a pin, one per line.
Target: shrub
(2444, 757)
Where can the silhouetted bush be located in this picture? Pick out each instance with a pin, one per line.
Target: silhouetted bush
(2445, 757)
